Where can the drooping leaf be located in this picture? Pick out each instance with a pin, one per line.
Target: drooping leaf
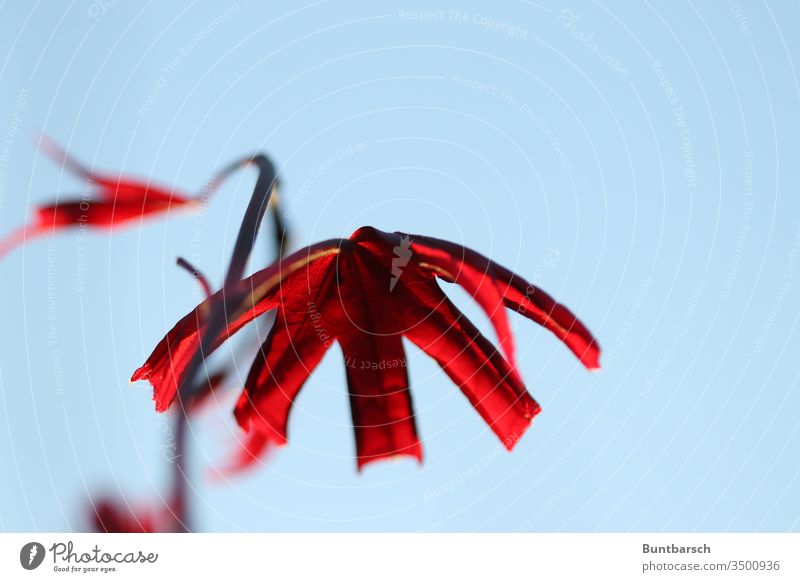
(367, 293)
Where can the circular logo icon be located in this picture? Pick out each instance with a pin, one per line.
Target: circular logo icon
(31, 555)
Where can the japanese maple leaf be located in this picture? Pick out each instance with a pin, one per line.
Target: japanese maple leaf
(354, 292)
(114, 201)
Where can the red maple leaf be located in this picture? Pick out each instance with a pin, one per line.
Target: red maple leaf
(355, 292)
(112, 201)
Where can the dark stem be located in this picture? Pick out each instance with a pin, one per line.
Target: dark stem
(180, 481)
(195, 272)
(232, 293)
(248, 231)
(179, 493)
(281, 233)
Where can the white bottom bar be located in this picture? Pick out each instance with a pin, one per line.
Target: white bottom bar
(402, 557)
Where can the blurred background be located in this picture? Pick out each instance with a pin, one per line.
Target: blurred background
(636, 161)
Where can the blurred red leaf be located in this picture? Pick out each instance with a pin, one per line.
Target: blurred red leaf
(111, 200)
(113, 516)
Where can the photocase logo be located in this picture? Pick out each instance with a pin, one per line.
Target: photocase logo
(402, 254)
(31, 555)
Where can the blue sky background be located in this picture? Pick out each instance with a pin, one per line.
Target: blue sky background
(638, 161)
